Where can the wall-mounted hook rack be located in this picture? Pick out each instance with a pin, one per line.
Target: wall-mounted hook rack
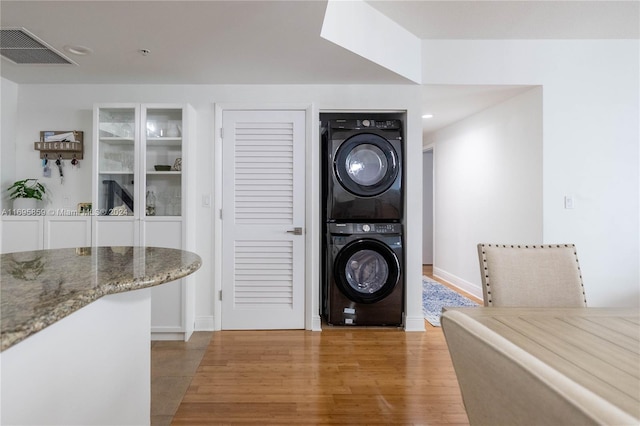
(63, 144)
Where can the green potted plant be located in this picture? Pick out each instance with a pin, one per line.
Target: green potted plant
(26, 193)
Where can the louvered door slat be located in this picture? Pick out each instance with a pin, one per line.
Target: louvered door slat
(270, 287)
(270, 175)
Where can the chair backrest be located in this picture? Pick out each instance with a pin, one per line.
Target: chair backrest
(531, 276)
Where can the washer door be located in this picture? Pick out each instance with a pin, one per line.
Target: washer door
(366, 270)
(366, 165)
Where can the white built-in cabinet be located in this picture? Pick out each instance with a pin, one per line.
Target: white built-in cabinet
(67, 231)
(26, 233)
(142, 195)
(22, 233)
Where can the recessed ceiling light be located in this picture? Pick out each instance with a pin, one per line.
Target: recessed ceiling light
(427, 116)
(78, 50)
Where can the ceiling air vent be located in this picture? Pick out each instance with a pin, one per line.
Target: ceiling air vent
(21, 47)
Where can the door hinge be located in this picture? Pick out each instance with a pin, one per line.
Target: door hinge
(220, 214)
(222, 132)
(220, 295)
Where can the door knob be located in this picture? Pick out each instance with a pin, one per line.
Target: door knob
(295, 231)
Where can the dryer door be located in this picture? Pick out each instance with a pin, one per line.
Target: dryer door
(366, 164)
(366, 270)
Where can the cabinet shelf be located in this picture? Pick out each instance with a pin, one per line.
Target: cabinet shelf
(164, 141)
(171, 172)
(113, 140)
(164, 218)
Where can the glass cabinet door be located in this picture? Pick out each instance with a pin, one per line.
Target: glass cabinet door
(140, 189)
(163, 161)
(116, 161)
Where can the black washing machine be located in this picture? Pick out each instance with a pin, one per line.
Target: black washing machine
(365, 284)
(363, 170)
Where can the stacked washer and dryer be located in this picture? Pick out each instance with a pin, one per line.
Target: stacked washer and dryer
(362, 193)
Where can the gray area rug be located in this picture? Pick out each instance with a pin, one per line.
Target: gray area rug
(435, 296)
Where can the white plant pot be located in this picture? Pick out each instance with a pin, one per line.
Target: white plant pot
(25, 204)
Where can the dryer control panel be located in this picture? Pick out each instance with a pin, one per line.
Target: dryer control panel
(365, 124)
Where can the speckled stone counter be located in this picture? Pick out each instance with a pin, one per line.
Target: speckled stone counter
(39, 288)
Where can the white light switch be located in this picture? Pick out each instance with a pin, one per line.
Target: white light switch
(206, 201)
(568, 202)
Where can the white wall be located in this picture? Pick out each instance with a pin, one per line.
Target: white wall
(590, 145)
(42, 107)
(427, 207)
(488, 177)
(9, 114)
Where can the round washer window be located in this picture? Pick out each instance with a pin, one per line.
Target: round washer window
(367, 271)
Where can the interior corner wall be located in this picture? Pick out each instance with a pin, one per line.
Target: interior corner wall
(488, 178)
(591, 143)
(9, 116)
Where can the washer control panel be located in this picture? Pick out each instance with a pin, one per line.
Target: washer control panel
(365, 228)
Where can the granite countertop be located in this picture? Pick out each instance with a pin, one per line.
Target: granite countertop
(38, 288)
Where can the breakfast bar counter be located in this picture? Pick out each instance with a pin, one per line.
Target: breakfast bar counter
(38, 288)
(75, 332)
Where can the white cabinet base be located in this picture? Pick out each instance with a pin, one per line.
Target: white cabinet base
(22, 233)
(90, 368)
(28, 233)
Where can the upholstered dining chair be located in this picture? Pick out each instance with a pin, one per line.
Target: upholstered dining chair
(531, 275)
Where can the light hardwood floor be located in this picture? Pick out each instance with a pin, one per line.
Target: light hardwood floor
(339, 376)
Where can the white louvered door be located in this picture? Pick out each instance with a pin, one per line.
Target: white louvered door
(262, 203)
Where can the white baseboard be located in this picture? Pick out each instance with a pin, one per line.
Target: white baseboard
(163, 335)
(414, 323)
(316, 323)
(458, 282)
(167, 333)
(204, 323)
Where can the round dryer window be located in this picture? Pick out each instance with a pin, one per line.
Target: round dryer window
(366, 164)
(366, 270)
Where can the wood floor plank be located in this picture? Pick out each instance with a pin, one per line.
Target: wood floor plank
(342, 375)
(337, 376)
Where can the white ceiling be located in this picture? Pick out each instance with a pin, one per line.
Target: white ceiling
(278, 42)
(527, 19)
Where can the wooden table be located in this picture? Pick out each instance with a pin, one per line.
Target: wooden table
(546, 365)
